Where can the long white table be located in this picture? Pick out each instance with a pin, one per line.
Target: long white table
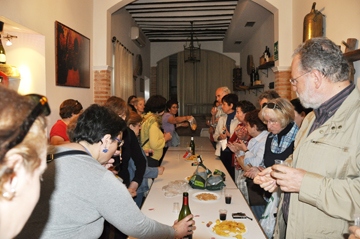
(201, 143)
(159, 207)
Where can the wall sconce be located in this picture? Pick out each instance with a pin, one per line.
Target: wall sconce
(9, 37)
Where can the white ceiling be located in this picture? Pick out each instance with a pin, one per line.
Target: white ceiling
(169, 20)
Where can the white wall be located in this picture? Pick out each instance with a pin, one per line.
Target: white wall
(121, 23)
(341, 22)
(256, 47)
(40, 17)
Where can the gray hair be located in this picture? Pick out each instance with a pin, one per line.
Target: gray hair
(225, 89)
(325, 56)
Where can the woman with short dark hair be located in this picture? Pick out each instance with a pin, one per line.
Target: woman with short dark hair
(69, 109)
(82, 193)
(152, 138)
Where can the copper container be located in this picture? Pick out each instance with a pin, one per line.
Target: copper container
(313, 24)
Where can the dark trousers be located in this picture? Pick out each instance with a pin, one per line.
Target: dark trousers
(226, 159)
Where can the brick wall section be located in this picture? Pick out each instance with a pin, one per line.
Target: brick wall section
(102, 86)
(153, 80)
(282, 84)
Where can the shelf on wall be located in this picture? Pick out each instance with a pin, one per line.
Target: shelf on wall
(352, 55)
(266, 67)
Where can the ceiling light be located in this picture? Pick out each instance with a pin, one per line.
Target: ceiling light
(192, 53)
(9, 37)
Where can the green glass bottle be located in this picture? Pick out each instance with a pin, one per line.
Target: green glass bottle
(192, 146)
(185, 210)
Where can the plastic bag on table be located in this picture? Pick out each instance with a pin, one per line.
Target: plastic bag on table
(193, 124)
(268, 218)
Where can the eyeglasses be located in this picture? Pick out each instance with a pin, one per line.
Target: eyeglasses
(294, 81)
(271, 106)
(41, 108)
(270, 121)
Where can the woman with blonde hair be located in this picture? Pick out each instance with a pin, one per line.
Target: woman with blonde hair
(139, 105)
(23, 144)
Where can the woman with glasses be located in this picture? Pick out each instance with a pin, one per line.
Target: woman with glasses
(279, 116)
(80, 193)
(23, 144)
(69, 109)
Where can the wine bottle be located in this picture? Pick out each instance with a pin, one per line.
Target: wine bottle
(185, 210)
(192, 146)
(257, 77)
(2, 53)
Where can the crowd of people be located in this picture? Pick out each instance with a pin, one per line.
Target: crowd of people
(109, 154)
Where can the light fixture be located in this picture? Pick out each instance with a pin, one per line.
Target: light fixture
(9, 37)
(192, 53)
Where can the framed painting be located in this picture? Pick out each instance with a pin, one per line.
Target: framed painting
(72, 57)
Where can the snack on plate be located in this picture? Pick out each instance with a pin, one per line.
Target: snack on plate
(192, 157)
(206, 196)
(229, 229)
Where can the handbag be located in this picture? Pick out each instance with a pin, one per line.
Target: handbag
(175, 140)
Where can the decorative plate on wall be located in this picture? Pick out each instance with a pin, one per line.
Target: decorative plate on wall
(138, 65)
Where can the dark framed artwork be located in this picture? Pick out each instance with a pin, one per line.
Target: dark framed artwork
(72, 53)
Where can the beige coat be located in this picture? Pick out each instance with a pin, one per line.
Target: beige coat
(330, 190)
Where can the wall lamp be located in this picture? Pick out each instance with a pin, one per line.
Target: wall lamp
(9, 37)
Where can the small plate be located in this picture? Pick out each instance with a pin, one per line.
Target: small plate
(206, 201)
(232, 235)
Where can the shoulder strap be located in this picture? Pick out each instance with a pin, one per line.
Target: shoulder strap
(144, 143)
(51, 157)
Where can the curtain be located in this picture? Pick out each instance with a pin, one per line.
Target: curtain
(123, 72)
(197, 82)
(163, 75)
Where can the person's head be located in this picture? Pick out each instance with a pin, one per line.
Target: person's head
(300, 111)
(139, 105)
(69, 108)
(99, 125)
(117, 105)
(23, 145)
(253, 123)
(266, 96)
(318, 64)
(131, 99)
(172, 106)
(155, 104)
(134, 122)
(277, 114)
(229, 103)
(215, 103)
(221, 92)
(242, 107)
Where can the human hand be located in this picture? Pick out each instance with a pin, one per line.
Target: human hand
(213, 110)
(289, 179)
(167, 136)
(265, 180)
(184, 227)
(252, 172)
(161, 170)
(132, 192)
(354, 232)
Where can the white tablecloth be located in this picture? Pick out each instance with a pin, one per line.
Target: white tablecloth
(159, 207)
